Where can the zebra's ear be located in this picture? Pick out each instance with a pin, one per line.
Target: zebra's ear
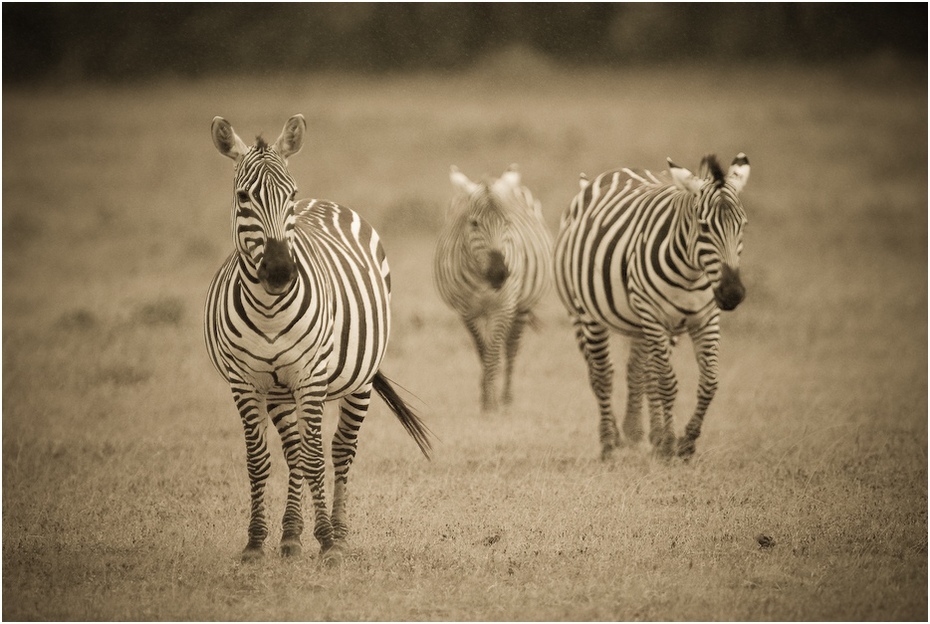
(511, 176)
(460, 180)
(226, 140)
(684, 179)
(738, 174)
(292, 136)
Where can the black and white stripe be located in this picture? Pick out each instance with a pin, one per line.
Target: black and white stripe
(493, 264)
(652, 258)
(299, 314)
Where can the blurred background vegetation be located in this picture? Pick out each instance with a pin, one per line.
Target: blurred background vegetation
(128, 42)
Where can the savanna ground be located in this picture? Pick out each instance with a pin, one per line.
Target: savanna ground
(124, 487)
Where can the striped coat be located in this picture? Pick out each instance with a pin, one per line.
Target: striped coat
(299, 314)
(652, 258)
(493, 264)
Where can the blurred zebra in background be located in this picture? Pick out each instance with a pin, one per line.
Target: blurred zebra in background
(297, 315)
(652, 258)
(493, 264)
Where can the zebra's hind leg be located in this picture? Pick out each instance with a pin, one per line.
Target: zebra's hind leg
(283, 412)
(510, 354)
(706, 341)
(594, 342)
(258, 462)
(352, 411)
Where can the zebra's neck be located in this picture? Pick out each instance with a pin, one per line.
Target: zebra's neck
(683, 235)
(270, 314)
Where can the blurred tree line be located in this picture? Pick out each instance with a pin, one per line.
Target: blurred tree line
(136, 41)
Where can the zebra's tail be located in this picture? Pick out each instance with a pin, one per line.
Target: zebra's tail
(407, 417)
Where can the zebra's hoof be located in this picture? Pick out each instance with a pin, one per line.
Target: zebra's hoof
(685, 448)
(665, 449)
(252, 553)
(607, 452)
(633, 433)
(334, 556)
(291, 548)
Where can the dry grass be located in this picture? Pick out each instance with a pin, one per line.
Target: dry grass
(124, 487)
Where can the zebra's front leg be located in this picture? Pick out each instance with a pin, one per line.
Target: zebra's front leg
(258, 462)
(594, 342)
(283, 412)
(661, 387)
(636, 388)
(310, 398)
(488, 399)
(352, 411)
(706, 341)
(498, 327)
(510, 354)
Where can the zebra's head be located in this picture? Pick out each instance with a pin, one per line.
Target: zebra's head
(717, 222)
(264, 201)
(479, 213)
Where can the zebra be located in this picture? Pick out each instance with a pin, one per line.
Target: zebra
(298, 315)
(493, 264)
(652, 258)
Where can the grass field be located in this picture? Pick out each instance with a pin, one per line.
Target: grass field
(125, 494)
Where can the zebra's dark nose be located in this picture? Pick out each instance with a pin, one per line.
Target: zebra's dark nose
(497, 271)
(730, 292)
(277, 270)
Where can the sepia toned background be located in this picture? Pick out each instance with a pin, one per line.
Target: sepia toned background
(125, 494)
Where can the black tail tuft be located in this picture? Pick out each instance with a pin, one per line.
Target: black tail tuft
(411, 422)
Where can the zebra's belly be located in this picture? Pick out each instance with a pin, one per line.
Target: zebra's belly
(355, 359)
(675, 311)
(610, 303)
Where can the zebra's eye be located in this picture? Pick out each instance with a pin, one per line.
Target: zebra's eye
(473, 223)
(242, 196)
(293, 194)
(705, 228)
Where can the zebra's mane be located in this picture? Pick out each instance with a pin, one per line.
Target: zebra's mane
(260, 143)
(487, 200)
(709, 164)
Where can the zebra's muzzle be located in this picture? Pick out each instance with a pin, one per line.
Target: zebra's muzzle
(277, 270)
(497, 271)
(730, 292)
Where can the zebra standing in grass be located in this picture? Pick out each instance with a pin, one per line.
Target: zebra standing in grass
(298, 315)
(652, 259)
(493, 264)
